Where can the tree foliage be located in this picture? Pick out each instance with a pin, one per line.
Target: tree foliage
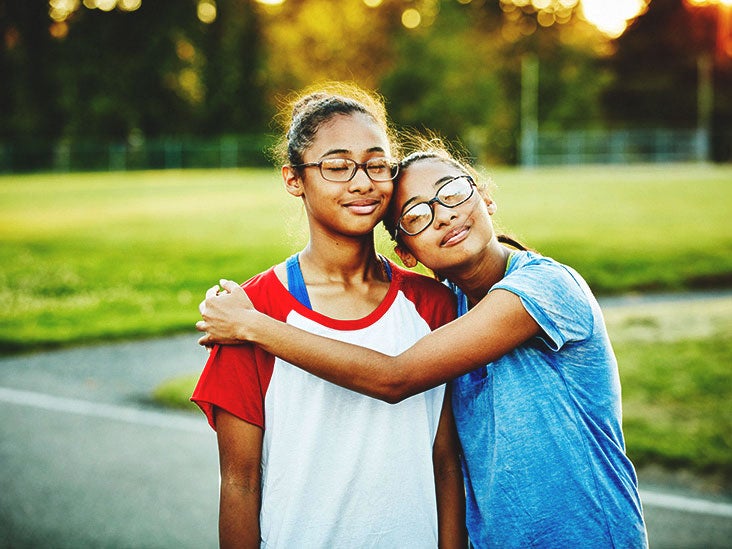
(160, 70)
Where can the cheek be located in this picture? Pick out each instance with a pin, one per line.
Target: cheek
(425, 251)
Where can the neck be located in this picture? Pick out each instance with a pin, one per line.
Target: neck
(478, 276)
(343, 259)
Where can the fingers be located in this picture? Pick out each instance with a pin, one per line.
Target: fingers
(201, 326)
(229, 285)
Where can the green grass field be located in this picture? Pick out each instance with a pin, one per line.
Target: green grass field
(89, 257)
(97, 256)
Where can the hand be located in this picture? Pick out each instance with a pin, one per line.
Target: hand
(223, 311)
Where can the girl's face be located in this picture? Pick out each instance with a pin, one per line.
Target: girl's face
(352, 207)
(456, 236)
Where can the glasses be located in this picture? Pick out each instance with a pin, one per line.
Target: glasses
(344, 169)
(454, 192)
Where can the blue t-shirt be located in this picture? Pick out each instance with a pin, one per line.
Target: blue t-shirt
(543, 450)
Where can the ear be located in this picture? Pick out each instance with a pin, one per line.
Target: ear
(492, 206)
(292, 180)
(407, 258)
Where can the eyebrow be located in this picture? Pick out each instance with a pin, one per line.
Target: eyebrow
(346, 151)
(436, 184)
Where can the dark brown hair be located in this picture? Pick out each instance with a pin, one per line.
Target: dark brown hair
(305, 112)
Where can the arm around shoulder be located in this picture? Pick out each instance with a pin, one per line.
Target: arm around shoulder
(495, 326)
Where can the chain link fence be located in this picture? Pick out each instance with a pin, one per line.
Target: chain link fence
(661, 145)
(545, 148)
(137, 154)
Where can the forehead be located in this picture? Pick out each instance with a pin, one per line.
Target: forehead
(423, 178)
(349, 134)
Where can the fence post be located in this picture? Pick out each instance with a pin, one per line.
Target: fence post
(529, 109)
(705, 104)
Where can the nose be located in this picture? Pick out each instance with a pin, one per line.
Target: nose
(441, 215)
(361, 182)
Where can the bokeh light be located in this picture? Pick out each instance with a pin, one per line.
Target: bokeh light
(411, 18)
(612, 18)
(129, 5)
(206, 11)
(703, 3)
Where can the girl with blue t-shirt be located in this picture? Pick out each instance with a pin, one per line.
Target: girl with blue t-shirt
(535, 387)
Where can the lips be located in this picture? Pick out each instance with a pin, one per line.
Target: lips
(363, 207)
(458, 234)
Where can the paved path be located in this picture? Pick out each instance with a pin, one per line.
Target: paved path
(87, 461)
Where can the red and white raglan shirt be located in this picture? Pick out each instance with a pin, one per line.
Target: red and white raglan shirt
(339, 469)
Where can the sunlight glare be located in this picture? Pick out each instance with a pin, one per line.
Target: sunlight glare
(612, 18)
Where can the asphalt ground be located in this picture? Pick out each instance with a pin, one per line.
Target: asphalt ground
(87, 460)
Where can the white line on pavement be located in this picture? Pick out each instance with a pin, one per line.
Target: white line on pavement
(107, 411)
(686, 504)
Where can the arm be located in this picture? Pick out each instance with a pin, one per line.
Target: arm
(240, 454)
(495, 326)
(449, 481)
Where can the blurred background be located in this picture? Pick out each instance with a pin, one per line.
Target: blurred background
(131, 84)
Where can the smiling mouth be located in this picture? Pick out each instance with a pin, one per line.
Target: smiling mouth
(363, 207)
(455, 236)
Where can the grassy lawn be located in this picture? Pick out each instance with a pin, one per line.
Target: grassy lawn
(98, 256)
(87, 257)
(674, 360)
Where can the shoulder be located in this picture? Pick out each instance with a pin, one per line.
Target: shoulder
(432, 300)
(264, 282)
(554, 294)
(422, 285)
(535, 273)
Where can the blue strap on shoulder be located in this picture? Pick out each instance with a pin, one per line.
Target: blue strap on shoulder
(295, 281)
(387, 266)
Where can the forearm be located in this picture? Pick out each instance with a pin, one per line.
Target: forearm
(449, 486)
(357, 368)
(451, 507)
(240, 457)
(239, 516)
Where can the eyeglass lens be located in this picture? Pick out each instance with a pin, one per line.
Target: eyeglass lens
(344, 169)
(451, 194)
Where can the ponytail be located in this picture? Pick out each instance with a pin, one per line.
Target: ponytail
(505, 239)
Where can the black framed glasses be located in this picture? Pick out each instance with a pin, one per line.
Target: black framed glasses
(453, 192)
(344, 169)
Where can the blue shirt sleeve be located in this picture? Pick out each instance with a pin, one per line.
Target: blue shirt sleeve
(554, 296)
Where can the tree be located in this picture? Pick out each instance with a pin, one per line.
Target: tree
(655, 69)
(461, 76)
(27, 67)
(232, 75)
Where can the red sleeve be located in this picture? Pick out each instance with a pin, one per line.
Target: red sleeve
(435, 302)
(236, 377)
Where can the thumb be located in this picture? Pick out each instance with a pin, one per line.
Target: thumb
(229, 285)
